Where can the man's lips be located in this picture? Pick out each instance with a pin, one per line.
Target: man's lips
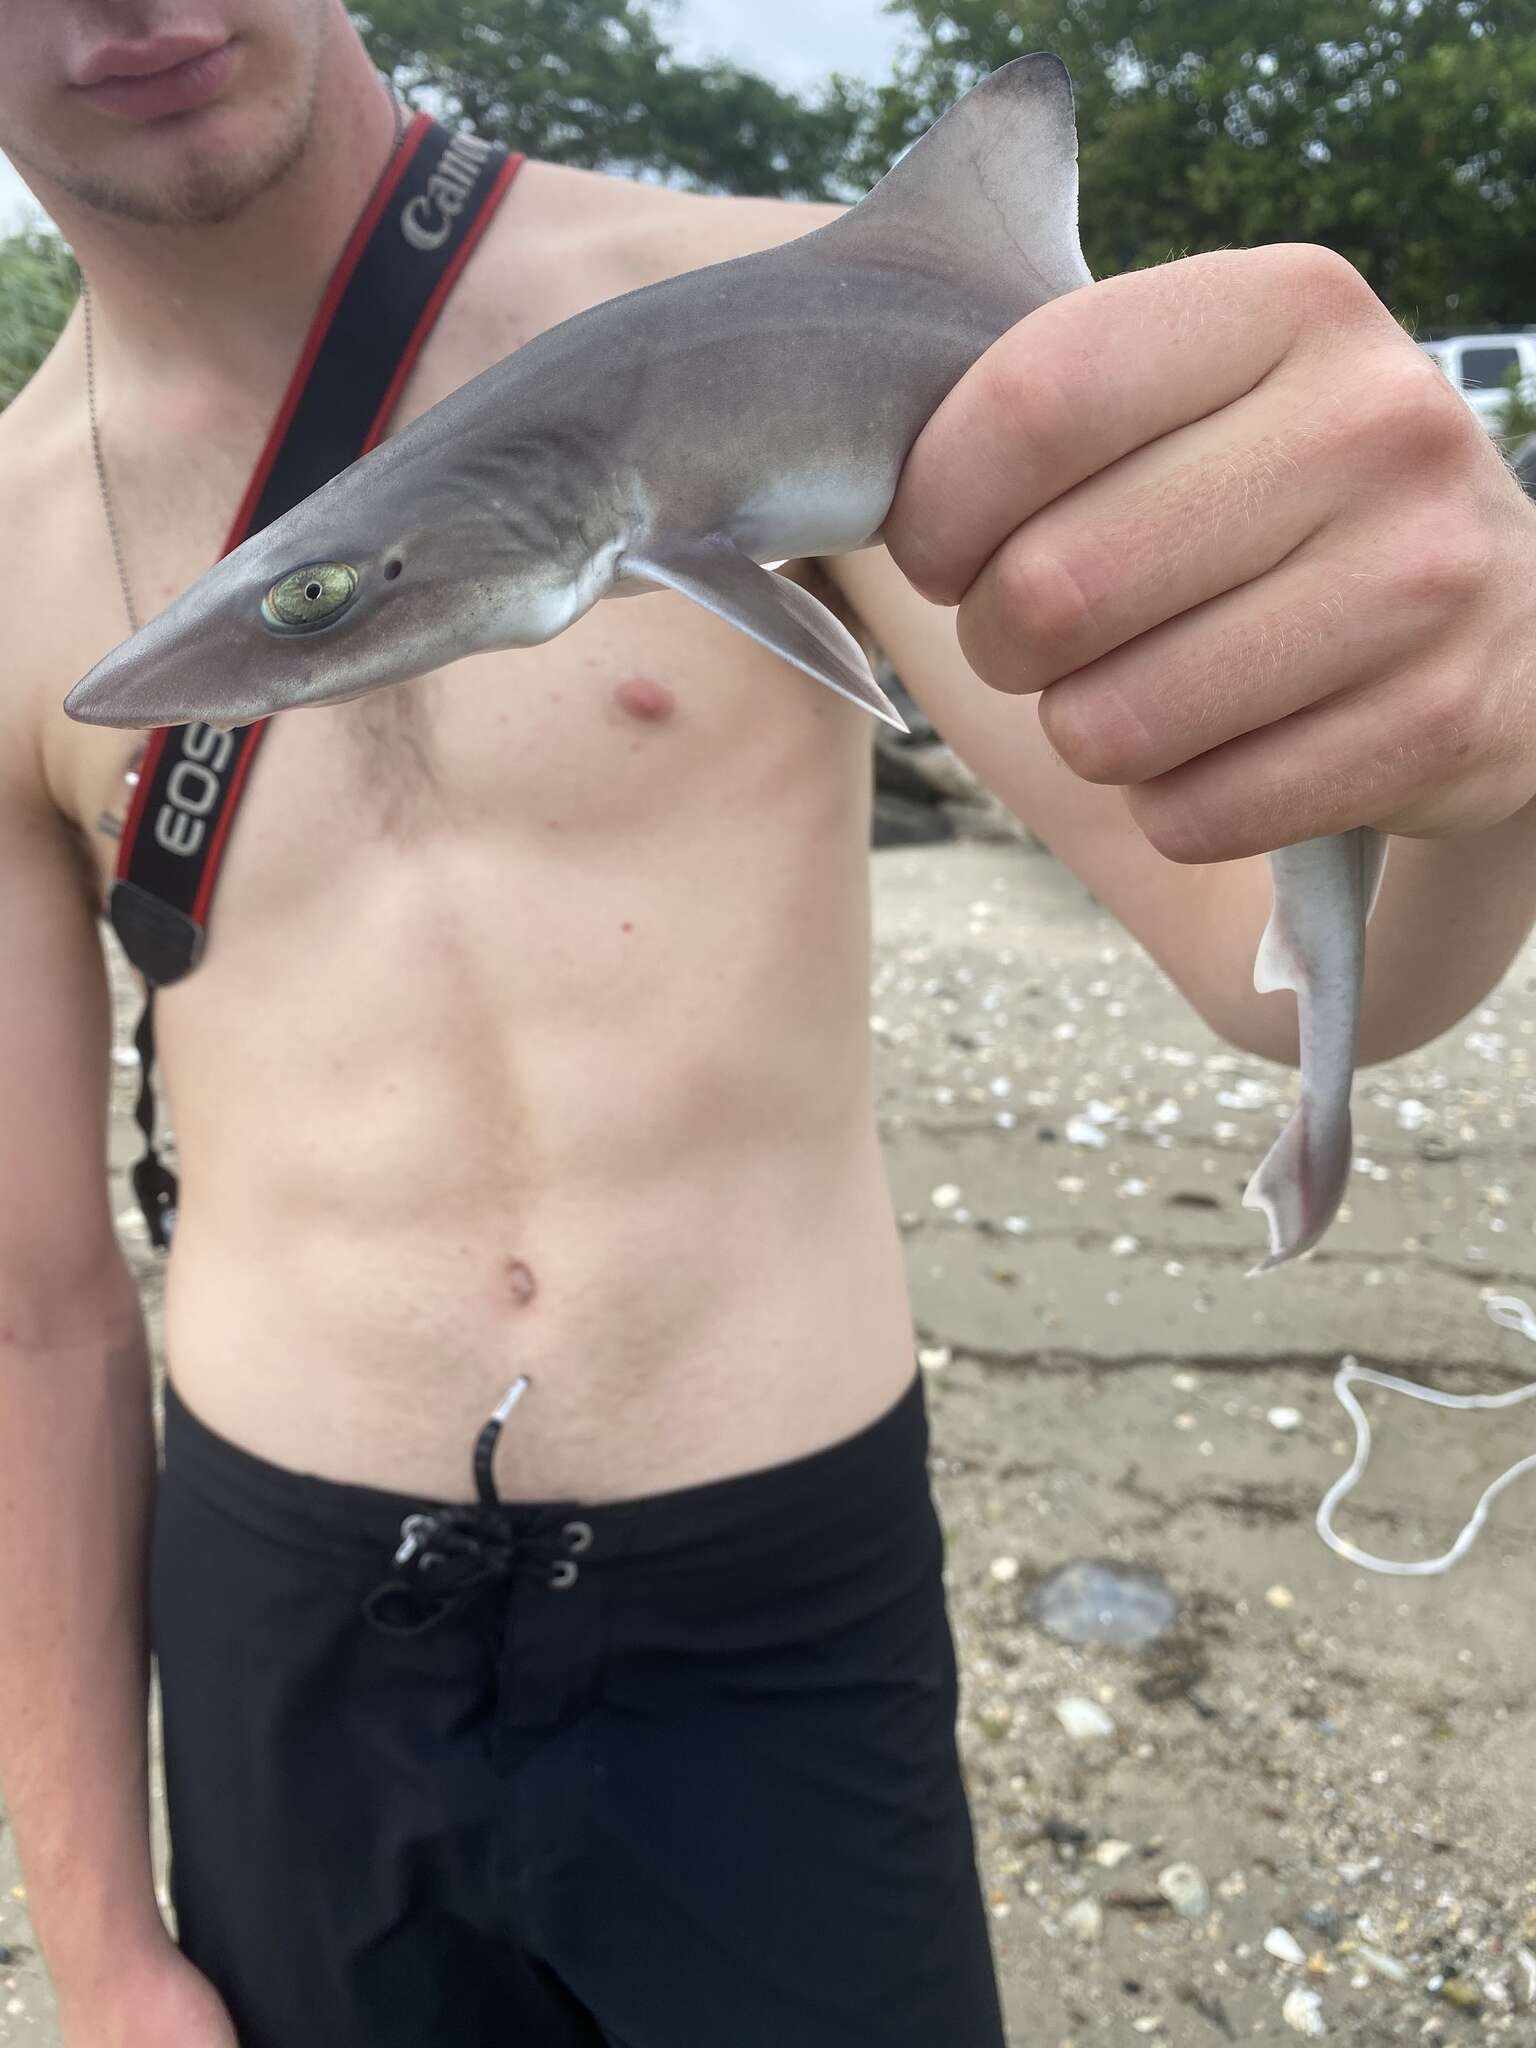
(145, 81)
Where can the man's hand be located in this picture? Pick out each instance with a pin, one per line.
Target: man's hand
(158, 2002)
(1269, 572)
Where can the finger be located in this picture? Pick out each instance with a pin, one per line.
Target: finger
(1354, 759)
(1218, 504)
(1203, 511)
(1308, 631)
(1094, 375)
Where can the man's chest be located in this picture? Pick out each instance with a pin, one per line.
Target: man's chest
(648, 713)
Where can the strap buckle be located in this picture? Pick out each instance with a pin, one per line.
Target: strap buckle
(161, 941)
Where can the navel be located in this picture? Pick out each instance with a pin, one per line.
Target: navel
(650, 702)
(521, 1285)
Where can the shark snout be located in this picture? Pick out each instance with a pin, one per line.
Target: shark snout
(116, 692)
(178, 678)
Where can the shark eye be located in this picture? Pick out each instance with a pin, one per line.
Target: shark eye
(309, 597)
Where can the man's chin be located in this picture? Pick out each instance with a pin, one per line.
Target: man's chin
(202, 168)
(206, 184)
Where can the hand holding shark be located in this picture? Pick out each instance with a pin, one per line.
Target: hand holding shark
(1272, 580)
(1101, 487)
(1252, 546)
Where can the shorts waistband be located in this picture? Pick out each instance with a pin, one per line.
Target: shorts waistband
(850, 1481)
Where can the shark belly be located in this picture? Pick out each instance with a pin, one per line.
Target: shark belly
(816, 508)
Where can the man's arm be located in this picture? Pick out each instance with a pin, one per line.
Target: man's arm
(1452, 915)
(76, 1463)
(1266, 579)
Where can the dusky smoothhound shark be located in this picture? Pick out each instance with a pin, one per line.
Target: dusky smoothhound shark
(682, 437)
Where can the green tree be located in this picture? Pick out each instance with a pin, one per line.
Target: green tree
(594, 83)
(1515, 421)
(588, 82)
(38, 285)
(1400, 132)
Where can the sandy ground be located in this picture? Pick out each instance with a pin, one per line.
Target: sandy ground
(1344, 1763)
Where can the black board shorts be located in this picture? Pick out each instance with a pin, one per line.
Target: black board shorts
(677, 1772)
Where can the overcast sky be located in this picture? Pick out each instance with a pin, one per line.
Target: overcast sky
(796, 41)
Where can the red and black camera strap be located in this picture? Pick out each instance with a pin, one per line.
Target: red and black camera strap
(415, 236)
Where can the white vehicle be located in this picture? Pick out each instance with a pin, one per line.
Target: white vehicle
(1478, 364)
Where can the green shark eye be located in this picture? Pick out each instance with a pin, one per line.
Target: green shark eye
(310, 597)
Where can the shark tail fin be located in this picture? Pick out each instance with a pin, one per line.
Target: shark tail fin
(991, 186)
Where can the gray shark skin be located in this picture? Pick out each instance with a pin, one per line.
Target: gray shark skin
(1314, 943)
(681, 437)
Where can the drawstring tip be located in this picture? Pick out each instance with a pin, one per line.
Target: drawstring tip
(486, 1442)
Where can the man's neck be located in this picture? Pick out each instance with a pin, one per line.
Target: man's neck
(228, 306)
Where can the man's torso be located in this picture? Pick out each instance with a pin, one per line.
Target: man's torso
(531, 1035)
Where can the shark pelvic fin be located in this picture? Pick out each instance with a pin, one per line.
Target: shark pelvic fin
(778, 614)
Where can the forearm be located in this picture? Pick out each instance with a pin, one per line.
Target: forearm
(1453, 911)
(1451, 917)
(1453, 914)
(76, 1483)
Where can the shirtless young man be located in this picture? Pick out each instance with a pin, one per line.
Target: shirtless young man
(532, 1038)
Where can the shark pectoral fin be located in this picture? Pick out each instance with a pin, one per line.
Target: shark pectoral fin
(776, 613)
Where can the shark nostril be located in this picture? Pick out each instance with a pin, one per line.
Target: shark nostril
(392, 568)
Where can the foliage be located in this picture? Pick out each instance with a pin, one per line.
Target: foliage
(1515, 420)
(38, 283)
(1400, 132)
(589, 82)
(592, 82)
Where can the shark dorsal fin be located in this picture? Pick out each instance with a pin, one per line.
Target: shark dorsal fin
(991, 187)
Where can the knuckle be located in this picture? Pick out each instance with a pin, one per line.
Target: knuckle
(988, 651)
(1448, 719)
(915, 541)
(1441, 562)
(1433, 417)
(1323, 282)
(1027, 405)
(1010, 419)
(1455, 576)
(1096, 732)
(1403, 422)
(929, 571)
(1045, 603)
(1393, 411)
(1178, 829)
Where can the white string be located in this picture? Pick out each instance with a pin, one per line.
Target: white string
(1509, 1313)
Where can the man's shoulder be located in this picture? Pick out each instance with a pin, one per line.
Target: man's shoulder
(33, 430)
(567, 240)
(40, 451)
(40, 456)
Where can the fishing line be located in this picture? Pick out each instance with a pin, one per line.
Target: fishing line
(1509, 1313)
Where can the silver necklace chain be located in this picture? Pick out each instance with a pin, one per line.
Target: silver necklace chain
(105, 488)
(101, 468)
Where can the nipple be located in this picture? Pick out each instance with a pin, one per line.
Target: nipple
(652, 703)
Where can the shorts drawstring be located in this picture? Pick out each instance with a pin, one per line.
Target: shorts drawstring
(448, 1555)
